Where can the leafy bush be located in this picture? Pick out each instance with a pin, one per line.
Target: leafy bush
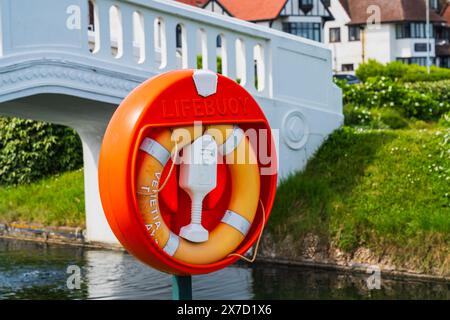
(424, 101)
(356, 116)
(372, 68)
(374, 118)
(30, 150)
(399, 71)
(438, 90)
(445, 120)
(393, 119)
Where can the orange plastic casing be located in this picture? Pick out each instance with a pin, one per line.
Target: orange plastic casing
(171, 100)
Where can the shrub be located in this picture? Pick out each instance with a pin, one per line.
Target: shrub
(396, 70)
(399, 71)
(424, 101)
(393, 119)
(434, 95)
(356, 116)
(438, 90)
(445, 120)
(373, 118)
(30, 150)
(370, 69)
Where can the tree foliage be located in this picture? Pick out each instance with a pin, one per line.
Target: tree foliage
(30, 150)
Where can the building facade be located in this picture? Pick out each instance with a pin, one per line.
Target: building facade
(386, 30)
(443, 38)
(354, 30)
(305, 18)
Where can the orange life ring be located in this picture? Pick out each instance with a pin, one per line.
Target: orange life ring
(245, 187)
(157, 108)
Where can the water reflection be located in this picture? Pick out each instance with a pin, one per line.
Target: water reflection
(288, 283)
(38, 271)
(119, 276)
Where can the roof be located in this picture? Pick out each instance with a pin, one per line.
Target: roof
(391, 10)
(250, 10)
(446, 13)
(195, 3)
(253, 10)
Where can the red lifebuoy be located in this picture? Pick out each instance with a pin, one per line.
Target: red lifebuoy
(152, 112)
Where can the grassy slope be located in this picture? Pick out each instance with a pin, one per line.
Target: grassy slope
(376, 189)
(55, 201)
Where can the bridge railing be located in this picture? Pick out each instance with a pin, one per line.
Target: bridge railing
(153, 36)
(164, 36)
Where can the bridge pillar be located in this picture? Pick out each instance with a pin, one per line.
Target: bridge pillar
(97, 228)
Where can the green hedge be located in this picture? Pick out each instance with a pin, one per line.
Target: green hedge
(30, 150)
(438, 90)
(445, 120)
(399, 71)
(423, 101)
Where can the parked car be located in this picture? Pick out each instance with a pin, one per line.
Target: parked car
(349, 78)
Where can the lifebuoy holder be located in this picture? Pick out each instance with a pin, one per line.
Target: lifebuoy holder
(133, 146)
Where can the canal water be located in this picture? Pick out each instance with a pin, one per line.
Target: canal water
(31, 270)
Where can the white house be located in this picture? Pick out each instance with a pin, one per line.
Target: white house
(304, 18)
(350, 27)
(354, 36)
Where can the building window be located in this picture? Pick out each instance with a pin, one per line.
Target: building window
(434, 4)
(403, 31)
(421, 47)
(354, 33)
(415, 30)
(445, 62)
(335, 35)
(442, 33)
(310, 30)
(347, 67)
(421, 61)
(418, 30)
(305, 5)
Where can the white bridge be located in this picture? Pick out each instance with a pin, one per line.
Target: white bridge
(71, 62)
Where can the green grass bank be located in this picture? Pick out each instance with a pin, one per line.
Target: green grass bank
(54, 201)
(379, 196)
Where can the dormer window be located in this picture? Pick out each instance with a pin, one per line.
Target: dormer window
(434, 4)
(305, 5)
